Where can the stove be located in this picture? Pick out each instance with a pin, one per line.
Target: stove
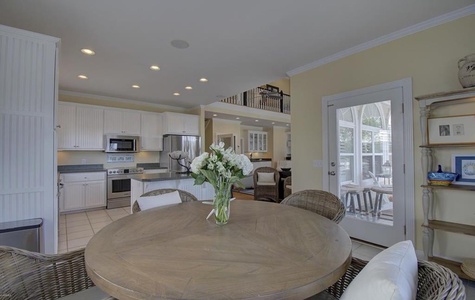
(118, 186)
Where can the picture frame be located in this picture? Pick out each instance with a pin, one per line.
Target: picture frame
(464, 166)
(272, 88)
(451, 130)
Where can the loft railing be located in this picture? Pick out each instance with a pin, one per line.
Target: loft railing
(262, 98)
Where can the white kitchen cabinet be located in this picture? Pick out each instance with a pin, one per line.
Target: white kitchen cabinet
(151, 134)
(119, 121)
(257, 141)
(82, 191)
(176, 123)
(80, 127)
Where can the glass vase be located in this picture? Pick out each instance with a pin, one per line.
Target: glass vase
(222, 208)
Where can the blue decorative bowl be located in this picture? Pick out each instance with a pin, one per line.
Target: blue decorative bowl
(444, 178)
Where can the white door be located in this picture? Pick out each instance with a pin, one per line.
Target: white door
(368, 164)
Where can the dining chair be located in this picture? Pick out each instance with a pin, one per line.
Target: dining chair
(287, 186)
(184, 195)
(266, 184)
(321, 202)
(31, 275)
(433, 282)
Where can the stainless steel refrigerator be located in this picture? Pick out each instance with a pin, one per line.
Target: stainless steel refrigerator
(189, 144)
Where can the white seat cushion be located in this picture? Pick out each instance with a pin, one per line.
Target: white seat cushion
(92, 293)
(390, 275)
(265, 178)
(158, 200)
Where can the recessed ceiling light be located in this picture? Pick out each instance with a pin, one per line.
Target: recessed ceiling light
(176, 94)
(203, 79)
(180, 44)
(136, 86)
(273, 123)
(286, 124)
(188, 88)
(238, 118)
(257, 120)
(88, 51)
(155, 68)
(82, 76)
(215, 115)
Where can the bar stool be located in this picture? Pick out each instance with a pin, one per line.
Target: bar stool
(380, 191)
(353, 191)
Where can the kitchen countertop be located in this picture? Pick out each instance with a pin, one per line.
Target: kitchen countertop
(160, 177)
(81, 168)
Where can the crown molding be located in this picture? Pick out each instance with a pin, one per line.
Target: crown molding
(457, 14)
(122, 100)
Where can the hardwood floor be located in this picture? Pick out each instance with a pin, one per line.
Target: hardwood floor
(242, 196)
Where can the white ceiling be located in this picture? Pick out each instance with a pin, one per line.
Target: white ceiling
(237, 45)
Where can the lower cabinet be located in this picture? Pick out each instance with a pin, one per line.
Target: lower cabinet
(82, 191)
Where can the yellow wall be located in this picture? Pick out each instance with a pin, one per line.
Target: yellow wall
(430, 58)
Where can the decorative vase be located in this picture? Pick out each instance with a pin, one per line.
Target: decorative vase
(222, 200)
(467, 71)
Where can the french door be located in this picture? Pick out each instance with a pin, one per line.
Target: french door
(369, 155)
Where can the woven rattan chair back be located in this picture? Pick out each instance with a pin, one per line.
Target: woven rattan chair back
(184, 195)
(266, 192)
(31, 275)
(321, 202)
(434, 281)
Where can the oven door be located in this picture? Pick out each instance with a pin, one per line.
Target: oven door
(118, 187)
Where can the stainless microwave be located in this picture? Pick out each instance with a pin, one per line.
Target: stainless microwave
(121, 143)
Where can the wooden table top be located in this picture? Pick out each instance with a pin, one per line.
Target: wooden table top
(266, 251)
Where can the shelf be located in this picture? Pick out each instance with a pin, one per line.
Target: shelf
(445, 98)
(451, 187)
(452, 265)
(448, 145)
(452, 227)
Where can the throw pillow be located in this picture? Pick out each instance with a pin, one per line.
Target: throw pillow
(159, 200)
(391, 275)
(265, 177)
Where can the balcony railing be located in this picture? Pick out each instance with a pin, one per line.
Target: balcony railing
(261, 98)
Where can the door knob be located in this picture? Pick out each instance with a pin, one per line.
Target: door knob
(332, 173)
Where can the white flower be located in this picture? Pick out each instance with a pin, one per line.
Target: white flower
(198, 163)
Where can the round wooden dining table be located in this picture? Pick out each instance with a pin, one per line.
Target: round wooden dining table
(266, 251)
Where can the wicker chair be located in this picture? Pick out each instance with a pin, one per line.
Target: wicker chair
(184, 195)
(266, 191)
(287, 186)
(31, 275)
(434, 281)
(323, 203)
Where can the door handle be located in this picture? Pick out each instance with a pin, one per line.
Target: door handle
(332, 173)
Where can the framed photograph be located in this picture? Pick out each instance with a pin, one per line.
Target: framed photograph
(464, 165)
(451, 130)
(272, 88)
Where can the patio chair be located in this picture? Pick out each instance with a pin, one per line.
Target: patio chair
(321, 202)
(434, 282)
(184, 195)
(266, 184)
(30, 275)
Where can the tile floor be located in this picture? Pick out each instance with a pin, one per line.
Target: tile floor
(75, 231)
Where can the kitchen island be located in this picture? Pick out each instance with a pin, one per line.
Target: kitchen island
(144, 183)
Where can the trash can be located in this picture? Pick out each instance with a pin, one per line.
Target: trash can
(23, 234)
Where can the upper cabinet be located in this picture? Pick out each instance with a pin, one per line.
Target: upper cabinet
(257, 141)
(176, 123)
(151, 135)
(123, 122)
(80, 127)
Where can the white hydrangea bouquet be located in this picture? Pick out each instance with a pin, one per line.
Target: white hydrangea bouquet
(221, 168)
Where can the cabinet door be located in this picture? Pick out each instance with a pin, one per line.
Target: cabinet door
(173, 123)
(191, 124)
(67, 126)
(130, 123)
(73, 196)
(112, 121)
(95, 194)
(151, 132)
(90, 133)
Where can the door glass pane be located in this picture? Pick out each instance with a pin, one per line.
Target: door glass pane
(365, 161)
